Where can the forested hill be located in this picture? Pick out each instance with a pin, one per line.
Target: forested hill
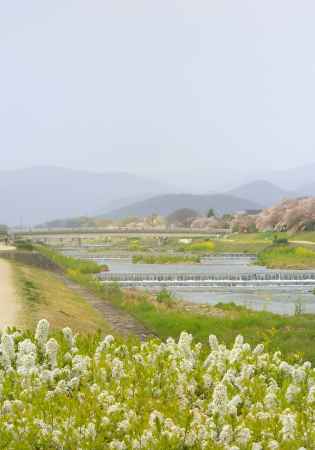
(166, 204)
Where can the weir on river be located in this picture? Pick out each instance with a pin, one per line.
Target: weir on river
(219, 278)
(283, 278)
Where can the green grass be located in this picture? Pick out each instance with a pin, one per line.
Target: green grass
(292, 335)
(257, 242)
(43, 294)
(303, 236)
(289, 334)
(70, 264)
(244, 242)
(235, 242)
(165, 297)
(165, 259)
(135, 245)
(228, 246)
(231, 307)
(259, 237)
(31, 292)
(199, 246)
(288, 257)
(24, 245)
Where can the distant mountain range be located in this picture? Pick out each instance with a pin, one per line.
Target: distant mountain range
(219, 179)
(166, 204)
(263, 192)
(255, 195)
(37, 195)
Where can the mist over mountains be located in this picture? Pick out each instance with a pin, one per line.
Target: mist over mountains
(40, 194)
(262, 192)
(250, 196)
(37, 195)
(218, 179)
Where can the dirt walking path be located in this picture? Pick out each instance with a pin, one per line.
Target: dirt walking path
(6, 248)
(303, 242)
(120, 321)
(9, 305)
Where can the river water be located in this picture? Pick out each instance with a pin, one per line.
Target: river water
(281, 300)
(128, 267)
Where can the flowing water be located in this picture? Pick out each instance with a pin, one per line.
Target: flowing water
(281, 300)
(129, 267)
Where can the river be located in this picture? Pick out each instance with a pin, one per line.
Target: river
(281, 300)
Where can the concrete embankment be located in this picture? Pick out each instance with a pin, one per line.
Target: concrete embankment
(31, 258)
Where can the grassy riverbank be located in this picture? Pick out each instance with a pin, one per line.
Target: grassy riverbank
(256, 242)
(243, 243)
(167, 317)
(43, 294)
(67, 263)
(165, 259)
(292, 335)
(200, 247)
(233, 242)
(287, 257)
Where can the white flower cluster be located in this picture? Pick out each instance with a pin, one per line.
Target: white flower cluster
(67, 393)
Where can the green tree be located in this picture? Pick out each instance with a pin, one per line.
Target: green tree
(182, 217)
(211, 213)
(3, 228)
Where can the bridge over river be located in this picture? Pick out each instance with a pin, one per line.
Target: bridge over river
(210, 279)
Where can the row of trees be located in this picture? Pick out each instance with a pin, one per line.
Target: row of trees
(3, 229)
(4, 233)
(189, 218)
(290, 215)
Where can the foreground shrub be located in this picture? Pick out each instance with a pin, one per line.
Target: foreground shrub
(166, 297)
(280, 240)
(74, 393)
(24, 245)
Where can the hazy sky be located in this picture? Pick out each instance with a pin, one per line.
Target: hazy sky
(155, 84)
